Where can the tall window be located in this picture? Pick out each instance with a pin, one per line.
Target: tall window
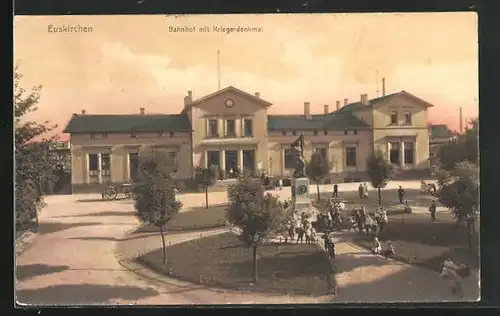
(106, 165)
(173, 159)
(230, 128)
(93, 165)
(289, 158)
(213, 129)
(409, 153)
(350, 156)
(394, 153)
(394, 117)
(322, 151)
(247, 128)
(407, 118)
(213, 158)
(133, 164)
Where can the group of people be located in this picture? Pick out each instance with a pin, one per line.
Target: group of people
(370, 225)
(363, 191)
(329, 245)
(300, 226)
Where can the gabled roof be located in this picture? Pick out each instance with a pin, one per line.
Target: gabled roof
(440, 131)
(225, 90)
(356, 106)
(317, 122)
(128, 123)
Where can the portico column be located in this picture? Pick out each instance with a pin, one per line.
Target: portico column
(282, 161)
(205, 159)
(240, 159)
(223, 160)
(402, 154)
(127, 166)
(99, 168)
(389, 151)
(86, 171)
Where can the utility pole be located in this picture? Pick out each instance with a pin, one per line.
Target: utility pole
(218, 70)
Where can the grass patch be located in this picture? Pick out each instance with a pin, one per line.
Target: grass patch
(418, 241)
(223, 261)
(195, 219)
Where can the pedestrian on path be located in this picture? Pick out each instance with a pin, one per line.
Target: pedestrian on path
(432, 210)
(365, 191)
(280, 184)
(408, 208)
(335, 190)
(360, 191)
(401, 194)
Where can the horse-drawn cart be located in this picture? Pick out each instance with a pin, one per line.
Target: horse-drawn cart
(111, 192)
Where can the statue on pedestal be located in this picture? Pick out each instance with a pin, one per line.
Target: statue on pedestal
(300, 164)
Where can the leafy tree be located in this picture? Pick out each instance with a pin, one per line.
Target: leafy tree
(257, 215)
(379, 170)
(155, 192)
(205, 177)
(459, 191)
(34, 162)
(464, 147)
(318, 168)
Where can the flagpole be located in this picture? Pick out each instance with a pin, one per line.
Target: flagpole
(218, 70)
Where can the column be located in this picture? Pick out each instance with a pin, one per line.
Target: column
(99, 168)
(402, 154)
(205, 159)
(222, 160)
(127, 167)
(86, 171)
(388, 151)
(282, 159)
(240, 159)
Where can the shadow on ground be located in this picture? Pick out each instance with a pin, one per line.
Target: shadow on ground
(33, 270)
(348, 262)
(106, 213)
(71, 294)
(100, 200)
(52, 227)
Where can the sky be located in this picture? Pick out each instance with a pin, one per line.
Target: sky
(128, 62)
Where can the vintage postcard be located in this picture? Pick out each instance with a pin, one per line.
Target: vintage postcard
(246, 159)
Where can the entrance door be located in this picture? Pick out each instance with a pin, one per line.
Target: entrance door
(249, 161)
(231, 163)
(213, 159)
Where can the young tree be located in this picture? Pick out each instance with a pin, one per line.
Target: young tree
(464, 147)
(318, 168)
(257, 215)
(205, 177)
(155, 193)
(379, 170)
(33, 160)
(459, 191)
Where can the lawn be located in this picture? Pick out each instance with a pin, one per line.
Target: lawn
(418, 241)
(223, 261)
(195, 219)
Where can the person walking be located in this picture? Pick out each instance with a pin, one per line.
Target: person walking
(280, 184)
(335, 190)
(360, 191)
(365, 191)
(432, 210)
(401, 194)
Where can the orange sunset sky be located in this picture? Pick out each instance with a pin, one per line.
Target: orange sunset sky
(128, 62)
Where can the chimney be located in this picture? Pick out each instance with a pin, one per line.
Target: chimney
(383, 87)
(461, 120)
(257, 94)
(346, 101)
(307, 110)
(326, 108)
(364, 99)
(142, 110)
(190, 96)
(338, 105)
(83, 112)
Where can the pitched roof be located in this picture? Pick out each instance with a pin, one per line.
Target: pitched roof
(317, 122)
(225, 90)
(128, 123)
(440, 131)
(355, 106)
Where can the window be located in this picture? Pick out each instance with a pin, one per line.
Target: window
(213, 158)
(294, 133)
(408, 118)
(172, 134)
(350, 156)
(355, 132)
(394, 117)
(394, 153)
(409, 153)
(325, 132)
(322, 151)
(106, 165)
(315, 133)
(346, 132)
(230, 128)
(247, 128)
(283, 133)
(289, 158)
(173, 159)
(133, 164)
(213, 128)
(93, 165)
(133, 135)
(92, 136)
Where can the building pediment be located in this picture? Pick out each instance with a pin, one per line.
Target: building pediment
(402, 98)
(228, 92)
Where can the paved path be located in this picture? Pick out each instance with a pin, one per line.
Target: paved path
(72, 261)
